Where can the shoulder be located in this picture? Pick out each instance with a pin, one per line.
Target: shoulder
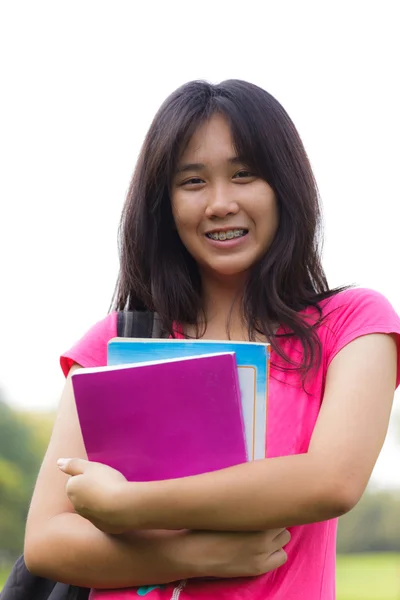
(361, 306)
(353, 313)
(91, 349)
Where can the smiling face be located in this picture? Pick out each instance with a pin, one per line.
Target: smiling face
(226, 216)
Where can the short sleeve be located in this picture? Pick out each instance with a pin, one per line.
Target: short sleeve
(91, 349)
(357, 312)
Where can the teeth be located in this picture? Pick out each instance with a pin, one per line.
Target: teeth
(226, 235)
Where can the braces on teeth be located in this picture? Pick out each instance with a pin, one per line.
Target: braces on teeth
(226, 235)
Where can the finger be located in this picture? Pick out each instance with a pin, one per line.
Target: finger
(72, 466)
(277, 559)
(270, 534)
(282, 539)
(286, 537)
(276, 532)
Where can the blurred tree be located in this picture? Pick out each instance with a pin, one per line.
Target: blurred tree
(23, 440)
(373, 525)
(40, 425)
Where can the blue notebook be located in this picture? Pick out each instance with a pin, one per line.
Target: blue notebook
(252, 359)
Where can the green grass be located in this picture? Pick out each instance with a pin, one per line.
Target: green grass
(3, 577)
(368, 577)
(359, 577)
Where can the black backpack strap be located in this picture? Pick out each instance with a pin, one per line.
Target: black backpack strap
(138, 324)
(22, 585)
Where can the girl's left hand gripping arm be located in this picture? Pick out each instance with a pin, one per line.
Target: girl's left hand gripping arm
(324, 483)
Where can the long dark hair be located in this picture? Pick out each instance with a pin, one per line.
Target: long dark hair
(156, 271)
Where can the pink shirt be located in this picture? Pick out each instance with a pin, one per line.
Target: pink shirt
(309, 573)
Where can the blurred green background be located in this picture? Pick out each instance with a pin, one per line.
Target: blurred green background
(368, 565)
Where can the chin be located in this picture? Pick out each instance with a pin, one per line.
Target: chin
(229, 272)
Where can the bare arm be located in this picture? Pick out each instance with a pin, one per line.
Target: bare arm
(63, 546)
(321, 484)
(73, 551)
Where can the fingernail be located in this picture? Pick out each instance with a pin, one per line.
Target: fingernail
(62, 462)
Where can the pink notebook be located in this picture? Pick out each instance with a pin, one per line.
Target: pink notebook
(162, 419)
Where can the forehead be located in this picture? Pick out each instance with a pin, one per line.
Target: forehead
(212, 139)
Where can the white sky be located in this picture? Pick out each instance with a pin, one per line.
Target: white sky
(80, 83)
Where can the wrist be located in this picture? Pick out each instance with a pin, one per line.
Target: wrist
(136, 505)
(169, 551)
(182, 549)
(188, 552)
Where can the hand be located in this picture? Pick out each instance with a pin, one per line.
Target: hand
(94, 490)
(235, 554)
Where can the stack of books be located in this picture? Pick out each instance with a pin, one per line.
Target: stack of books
(164, 409)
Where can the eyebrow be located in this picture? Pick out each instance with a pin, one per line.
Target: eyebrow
(235, 160)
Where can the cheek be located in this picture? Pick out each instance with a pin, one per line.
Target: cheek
(271, 207)
(184, 225)
(264, 210)
(178, 208)
(266, 215)
(181, 222)
(185, 215)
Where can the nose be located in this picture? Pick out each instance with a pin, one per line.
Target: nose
(220, 203)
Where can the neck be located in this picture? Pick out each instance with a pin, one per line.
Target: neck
(222, 301)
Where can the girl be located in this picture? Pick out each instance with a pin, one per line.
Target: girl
(220, 237)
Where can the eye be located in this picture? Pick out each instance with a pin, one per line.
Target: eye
(192, 181)
(243, 174)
